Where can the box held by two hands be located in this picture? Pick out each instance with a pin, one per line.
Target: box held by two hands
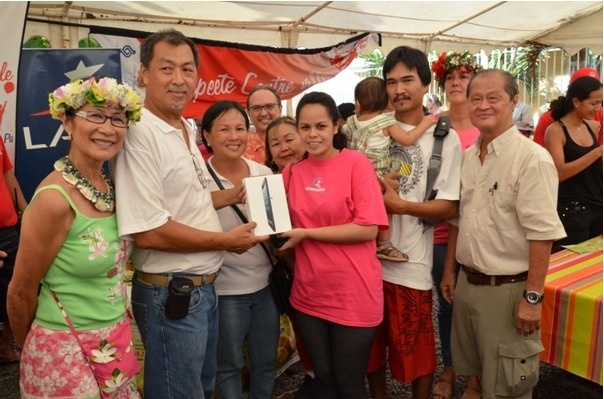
(266, 204)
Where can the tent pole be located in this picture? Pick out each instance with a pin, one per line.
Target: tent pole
(65, 18)
(427, 46)
(310, 14)
(289, 39)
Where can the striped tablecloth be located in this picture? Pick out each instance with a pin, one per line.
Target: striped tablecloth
(571, 328)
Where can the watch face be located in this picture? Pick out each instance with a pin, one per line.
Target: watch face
(533, 297)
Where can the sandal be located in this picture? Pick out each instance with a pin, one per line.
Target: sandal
(473, 389)
(443, 389)
(387, 251)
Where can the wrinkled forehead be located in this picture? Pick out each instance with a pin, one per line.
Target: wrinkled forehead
(487, 82)
(282, 131)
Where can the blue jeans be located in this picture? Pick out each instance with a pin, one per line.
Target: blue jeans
(180, 355)
(254, 316)
(445, 310)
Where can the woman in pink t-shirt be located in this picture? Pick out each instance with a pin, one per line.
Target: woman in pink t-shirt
(333, 198)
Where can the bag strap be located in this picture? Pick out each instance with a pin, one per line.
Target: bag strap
(67, 319)
(236, 209)
(221, 186)
(440, 132)
(70, 324)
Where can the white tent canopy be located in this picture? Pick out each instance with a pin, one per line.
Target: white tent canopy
(436, 25)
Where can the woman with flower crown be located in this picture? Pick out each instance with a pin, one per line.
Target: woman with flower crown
(453, 72)
(70, 253)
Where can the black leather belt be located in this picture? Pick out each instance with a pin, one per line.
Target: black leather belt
(477, 278)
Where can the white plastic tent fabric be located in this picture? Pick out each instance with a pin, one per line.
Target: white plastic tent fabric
(436, 25)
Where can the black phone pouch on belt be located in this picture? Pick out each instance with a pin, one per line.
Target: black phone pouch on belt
(179, 297)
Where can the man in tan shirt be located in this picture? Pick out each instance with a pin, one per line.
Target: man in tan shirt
(507, 223)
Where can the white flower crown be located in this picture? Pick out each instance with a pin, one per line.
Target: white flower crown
(106, 92)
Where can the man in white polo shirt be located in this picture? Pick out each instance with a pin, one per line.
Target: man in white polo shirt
(166, 208)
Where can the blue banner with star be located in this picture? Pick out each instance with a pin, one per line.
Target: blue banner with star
(41, 140)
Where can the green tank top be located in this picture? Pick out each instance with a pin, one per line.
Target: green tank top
(86, 274)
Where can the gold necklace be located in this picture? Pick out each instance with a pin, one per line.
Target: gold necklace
(104, 202)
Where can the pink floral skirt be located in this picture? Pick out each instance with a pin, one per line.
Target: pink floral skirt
(53, 366)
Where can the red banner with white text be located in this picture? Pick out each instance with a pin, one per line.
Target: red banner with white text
(228, 71)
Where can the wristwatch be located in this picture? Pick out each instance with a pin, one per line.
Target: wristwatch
(532, 297)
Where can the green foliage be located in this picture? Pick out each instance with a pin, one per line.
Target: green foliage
(37, 42)
(374, 62)
(89, 43)
(523, 63)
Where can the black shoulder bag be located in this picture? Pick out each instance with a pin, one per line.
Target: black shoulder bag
(281, 277)
(440, 132)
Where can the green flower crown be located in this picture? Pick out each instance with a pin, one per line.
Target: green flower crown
(106, 92)
(447, 62)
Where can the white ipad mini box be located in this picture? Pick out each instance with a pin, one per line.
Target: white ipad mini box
(267, 204)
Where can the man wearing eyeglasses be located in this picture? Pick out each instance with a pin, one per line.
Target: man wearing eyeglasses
(166, 208)
(263, 106)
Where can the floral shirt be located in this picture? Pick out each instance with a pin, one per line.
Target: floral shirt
(255, 148)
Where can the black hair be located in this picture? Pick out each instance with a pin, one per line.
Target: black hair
(580, 88)
(214, 112)
(171, 36)
(412, 58)
(346, 110)
(324, 99)
(371, 94)
(268, 157)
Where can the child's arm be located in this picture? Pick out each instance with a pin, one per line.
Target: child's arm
(409, 137)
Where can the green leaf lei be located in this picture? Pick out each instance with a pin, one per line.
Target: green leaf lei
(104, 202)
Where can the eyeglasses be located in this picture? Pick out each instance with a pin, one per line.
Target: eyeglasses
(198, 171)
(258, 108)
(100, 118)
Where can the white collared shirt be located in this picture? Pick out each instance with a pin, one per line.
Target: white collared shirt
(506, 202)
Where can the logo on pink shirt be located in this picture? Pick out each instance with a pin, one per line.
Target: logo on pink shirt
(316, 185)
